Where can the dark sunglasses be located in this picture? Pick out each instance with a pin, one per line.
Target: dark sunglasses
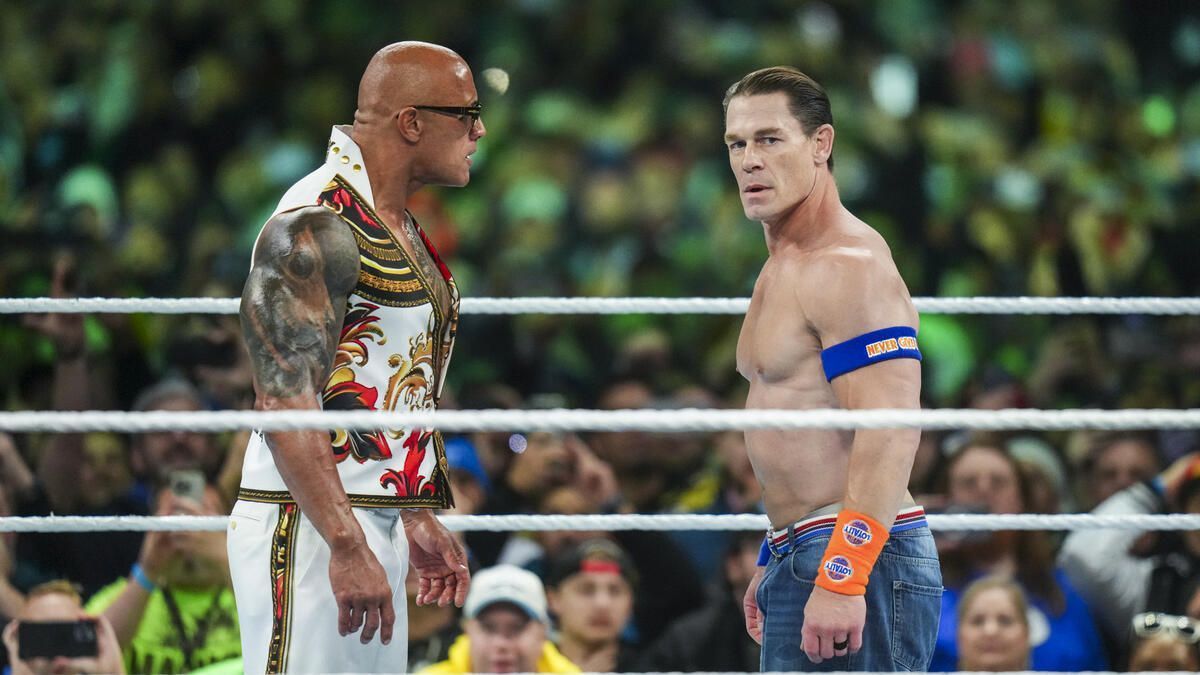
(1147, 624)
(472, 111)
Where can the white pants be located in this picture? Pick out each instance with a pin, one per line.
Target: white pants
(288, 616)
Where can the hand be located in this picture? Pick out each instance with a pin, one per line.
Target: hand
(1175, 475)
(64, 330)
(438, 558)
(108, 657)
(363, 594)
(159, 547)
(750, 607)
(203, 546)
(832, 617)
(593, 477)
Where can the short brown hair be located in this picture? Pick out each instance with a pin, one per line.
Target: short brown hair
(56, 587)
(806, 99)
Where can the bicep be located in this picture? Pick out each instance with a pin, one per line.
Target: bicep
(295, 299)
(894, 384)
(869, 297)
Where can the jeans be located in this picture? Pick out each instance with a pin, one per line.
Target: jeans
(904, 600)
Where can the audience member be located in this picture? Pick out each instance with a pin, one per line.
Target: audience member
(1121, 582)
(993, 626)
(1117, 460)
(505, 628)
(1063, 633)
(1165, 643)
(175, 611)
(59, 601)
(590, 589)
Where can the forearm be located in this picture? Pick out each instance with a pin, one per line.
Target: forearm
(126, 612)
(61, 458)
(11, 600)
(230, 478)
(305, 462)
(880, 463)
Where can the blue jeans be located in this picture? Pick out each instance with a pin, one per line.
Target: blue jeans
(904, 601)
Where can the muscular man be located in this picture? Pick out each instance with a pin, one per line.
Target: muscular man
(348, 306)
(830, 325)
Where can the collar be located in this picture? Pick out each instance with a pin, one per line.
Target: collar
(343, 155)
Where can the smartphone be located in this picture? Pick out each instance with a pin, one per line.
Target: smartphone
(188, 484)
(49, 639)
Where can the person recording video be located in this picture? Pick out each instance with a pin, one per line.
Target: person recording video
(53, 634)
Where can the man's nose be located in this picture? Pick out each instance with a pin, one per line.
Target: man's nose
(750, 159)
(478, 130)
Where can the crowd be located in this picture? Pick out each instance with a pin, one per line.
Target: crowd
(1002, 149)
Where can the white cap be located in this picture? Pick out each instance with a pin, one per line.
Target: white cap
(506, 583)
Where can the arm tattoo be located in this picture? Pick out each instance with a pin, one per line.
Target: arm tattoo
(305, 266)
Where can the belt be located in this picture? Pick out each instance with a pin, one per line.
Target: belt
(784, 540)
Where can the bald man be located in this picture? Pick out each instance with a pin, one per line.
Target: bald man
(349, 307)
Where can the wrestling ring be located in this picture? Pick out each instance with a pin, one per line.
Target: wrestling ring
(673, 421)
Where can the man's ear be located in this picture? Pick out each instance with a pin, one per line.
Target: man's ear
(823, 143)
(408, 124)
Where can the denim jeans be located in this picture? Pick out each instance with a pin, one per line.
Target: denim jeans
(904, 600)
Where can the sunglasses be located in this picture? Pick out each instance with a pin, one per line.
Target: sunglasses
(472, 111)
(1148, 624)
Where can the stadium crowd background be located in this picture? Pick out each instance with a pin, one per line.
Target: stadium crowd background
(1015, 148)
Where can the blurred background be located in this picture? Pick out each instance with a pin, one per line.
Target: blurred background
(1001, 148)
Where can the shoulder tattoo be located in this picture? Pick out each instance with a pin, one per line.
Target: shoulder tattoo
(305, 266)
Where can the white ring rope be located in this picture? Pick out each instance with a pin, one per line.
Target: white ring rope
(560, 420)
(974, 305)
(641, 522)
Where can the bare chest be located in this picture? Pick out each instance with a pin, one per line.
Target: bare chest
(776, 342)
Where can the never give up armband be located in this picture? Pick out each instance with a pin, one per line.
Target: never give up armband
(897, 342)
(853, 548)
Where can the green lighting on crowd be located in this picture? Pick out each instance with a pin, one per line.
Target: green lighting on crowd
(1158, 116)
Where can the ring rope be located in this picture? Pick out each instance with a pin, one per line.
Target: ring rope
(562, 420)
(642, 522)
(541, 305)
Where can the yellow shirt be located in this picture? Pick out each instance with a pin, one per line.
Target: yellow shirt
(459, 660)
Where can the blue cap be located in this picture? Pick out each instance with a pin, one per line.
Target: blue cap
(461, 455)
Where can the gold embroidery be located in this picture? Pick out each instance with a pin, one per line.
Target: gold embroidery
(283, 545)
(393, 285)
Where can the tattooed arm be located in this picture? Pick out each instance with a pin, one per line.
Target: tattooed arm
(305, 266)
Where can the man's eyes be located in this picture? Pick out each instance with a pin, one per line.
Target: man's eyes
(764, 140)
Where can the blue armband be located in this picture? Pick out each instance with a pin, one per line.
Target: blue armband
(764, 554)
(897, 342)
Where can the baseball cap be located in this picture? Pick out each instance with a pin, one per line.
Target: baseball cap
(506, 583)
(461, 455)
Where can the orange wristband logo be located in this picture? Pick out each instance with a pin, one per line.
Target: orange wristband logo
(838, 569)
(857, 532)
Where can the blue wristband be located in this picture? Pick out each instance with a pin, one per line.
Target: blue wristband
(764, 554)
(139, 575)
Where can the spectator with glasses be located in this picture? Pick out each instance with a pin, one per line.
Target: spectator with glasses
(1117, 578)
(1164, 643)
